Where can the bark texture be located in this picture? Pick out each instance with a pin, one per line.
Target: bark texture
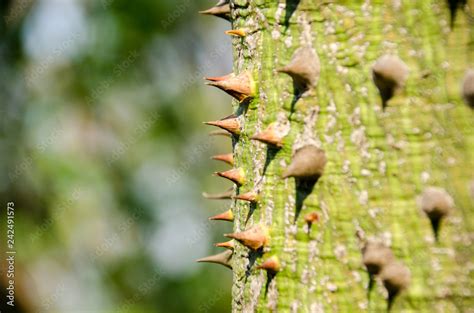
(378, 162)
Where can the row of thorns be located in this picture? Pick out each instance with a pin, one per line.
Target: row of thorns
(389, 74)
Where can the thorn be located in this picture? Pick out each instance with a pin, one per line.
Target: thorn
(235, 175)
(395, 277)
(220, 78)
(272, 135)
(271, 264)
(376, 256)
(304, 68)
(308, 162)
(221, 9)
(250, 196)
(468, 88)
(220, 133)
(236, 32)
(436, 203)
(219, 196)
(225, 216)
(310, 218)
(222, 258)
(253, 238)
(227, 244)
(227, 158)
(231, 124)
(241, 87)
(389, 74)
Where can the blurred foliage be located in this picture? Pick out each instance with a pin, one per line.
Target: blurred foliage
(103, 152)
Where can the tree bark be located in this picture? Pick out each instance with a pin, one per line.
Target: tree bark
(379, 162)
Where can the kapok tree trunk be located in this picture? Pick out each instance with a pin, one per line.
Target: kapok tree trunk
(379, 161)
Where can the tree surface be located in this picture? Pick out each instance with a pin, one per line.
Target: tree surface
(379, 160)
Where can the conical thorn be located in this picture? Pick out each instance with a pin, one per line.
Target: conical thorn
(227, 244)
(436, 203)
(304, 68)
(272, 135)
(271, 264)
(395, 277)
(225, 216)
(223, 258)
(241, 87)
(250, 196)
(375, 256)
(254, 238)
(236, 32)
(308, 162)
(389, 74)
(227, 158)
(232, 125)
(311, 218)
(220, 78)
(235, 175)
(219, 10)
(219, 196)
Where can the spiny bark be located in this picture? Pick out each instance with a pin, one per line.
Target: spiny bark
(378, 162)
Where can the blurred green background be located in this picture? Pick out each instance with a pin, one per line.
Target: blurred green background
(104, 154)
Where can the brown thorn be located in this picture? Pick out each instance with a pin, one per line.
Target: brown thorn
(250, 196)
(389, 74)
(304, 68)
(223, 258)
(240, 86)
(219, 196)
(227, 244)
(225, 216)
(254, 238)
(227, 158)
(231, 125)
(308, 162)
(221, 10)
(312, 217)
(235, 175)
(270, 136)
(375, 256)
(271, 264)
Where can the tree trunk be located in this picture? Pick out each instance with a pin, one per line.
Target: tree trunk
(378, 161)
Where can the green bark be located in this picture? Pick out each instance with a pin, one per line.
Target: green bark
(378, 162)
